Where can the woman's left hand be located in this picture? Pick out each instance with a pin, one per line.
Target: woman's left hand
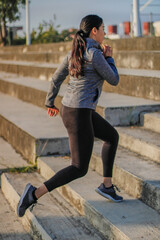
(53, 111)
(107, 51)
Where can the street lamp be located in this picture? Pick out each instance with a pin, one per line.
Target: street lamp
(136, 19)
(28, 38)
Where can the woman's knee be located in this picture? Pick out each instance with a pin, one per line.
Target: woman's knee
(82, 171)
(114, 139)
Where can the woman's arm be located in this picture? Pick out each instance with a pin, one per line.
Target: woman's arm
(105, 67)
(57, 79)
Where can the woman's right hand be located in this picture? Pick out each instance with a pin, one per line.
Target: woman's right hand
(107, 51)
(53, 111)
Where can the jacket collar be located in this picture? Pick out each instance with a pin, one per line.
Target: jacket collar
(92, 43)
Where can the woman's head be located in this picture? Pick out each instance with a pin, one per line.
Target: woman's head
(89, 22)
(91, 26)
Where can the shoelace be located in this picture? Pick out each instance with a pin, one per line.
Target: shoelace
(116, 187)
(33, 205)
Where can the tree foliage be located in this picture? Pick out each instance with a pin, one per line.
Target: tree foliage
(9, 12)
(47, 32)
(9, 9)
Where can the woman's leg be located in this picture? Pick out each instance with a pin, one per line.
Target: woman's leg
(104, 131)
(79, 126)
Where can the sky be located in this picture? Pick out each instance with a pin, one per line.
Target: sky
(70, 12)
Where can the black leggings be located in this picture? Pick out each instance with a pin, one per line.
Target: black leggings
(83, 125)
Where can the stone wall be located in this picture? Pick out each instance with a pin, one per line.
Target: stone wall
(145, 43)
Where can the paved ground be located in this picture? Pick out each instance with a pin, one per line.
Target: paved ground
(10, 227)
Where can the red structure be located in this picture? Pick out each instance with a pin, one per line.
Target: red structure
(146, 28)
(127, 28)
(112, 29)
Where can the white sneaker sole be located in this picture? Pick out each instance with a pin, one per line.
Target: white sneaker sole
(106, 195)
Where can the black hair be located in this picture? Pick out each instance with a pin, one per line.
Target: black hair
(79, 43)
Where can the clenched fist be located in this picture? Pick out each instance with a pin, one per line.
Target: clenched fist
(53, 111)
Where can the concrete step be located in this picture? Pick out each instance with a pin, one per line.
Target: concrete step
(137, 82)
(142, 141)
(48, 47)
(134, 44)
(124, 59)
(123, 110)
(54, 218)
(130, 219)
(54, 57)
(137, 59)
(138, 176)
(10, 227)
(134, 82)
(43, 71)
(10, 160)
(125, 44)
(29, 129)
(151, 121)
(118, 109)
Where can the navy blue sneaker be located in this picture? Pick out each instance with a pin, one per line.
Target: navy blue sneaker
(109, 193)
(26, 200)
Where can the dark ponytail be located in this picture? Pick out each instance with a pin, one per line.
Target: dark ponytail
(79, 44)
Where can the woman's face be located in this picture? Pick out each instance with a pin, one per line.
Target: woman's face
(99, 34)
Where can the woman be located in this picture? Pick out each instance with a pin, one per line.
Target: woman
(88, 66)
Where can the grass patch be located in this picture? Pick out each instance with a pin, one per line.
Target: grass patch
(28, 169)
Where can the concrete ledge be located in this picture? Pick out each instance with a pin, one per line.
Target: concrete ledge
(141, 43)
(83, 207)
(123, 59)
(127, 44)
(19, 139)
(138, 176)
(137, 59)
(49, 47)
(144, 84)
(28, 145)
(138, 86)
(30, 130)
(29, 221)
(56, 57)
(37, 71)
(9, 158)
(119, 110)
(126, 116)
(27, 89)
(110, 220)
(10, 227)
(55, 216)
(141, 141)
(151, 121)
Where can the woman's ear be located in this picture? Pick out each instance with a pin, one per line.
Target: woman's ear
(94, 31)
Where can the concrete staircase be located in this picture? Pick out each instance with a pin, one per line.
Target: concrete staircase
(76, 211)
(10, 227)
(52, 218)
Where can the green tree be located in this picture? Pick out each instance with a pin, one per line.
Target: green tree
(68, 34)
(9, 12)
(46, 33)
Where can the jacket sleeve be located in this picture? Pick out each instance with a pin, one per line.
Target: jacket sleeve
(57, 79)
(105, 67)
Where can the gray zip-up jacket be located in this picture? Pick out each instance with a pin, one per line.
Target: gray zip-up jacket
(84, 92)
